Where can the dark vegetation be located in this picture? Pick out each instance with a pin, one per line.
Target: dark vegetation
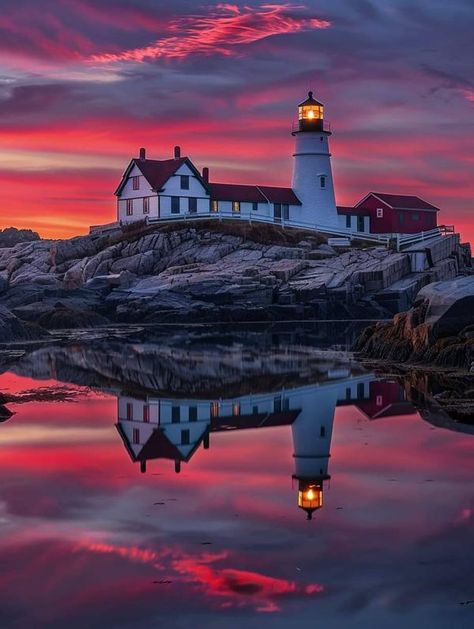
(11, 236)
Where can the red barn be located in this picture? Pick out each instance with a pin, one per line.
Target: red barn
(397, 213)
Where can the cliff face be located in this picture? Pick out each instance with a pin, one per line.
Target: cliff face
(438, 330)
(195, 274)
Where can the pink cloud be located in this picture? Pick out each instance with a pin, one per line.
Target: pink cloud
(220, 31)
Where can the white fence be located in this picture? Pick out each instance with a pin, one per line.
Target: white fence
(398, 241)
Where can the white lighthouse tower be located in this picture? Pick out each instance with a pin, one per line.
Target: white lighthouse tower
(312, 174)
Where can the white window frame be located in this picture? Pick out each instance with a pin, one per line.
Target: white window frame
(380, 212)
(146, 205)
(129, 207)
(136, 182)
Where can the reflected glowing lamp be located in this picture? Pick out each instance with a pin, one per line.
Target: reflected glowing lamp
(310, 496)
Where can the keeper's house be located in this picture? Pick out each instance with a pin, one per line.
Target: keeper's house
(175, 188)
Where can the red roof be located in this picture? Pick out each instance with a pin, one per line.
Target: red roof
(352, 211)
(253, 194)
(402, 201)
(157, 172)
(280, 195)
(236, 192)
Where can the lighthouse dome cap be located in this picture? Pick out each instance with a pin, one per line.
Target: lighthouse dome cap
(310, 101)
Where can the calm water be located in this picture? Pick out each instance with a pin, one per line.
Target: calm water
(170, 483)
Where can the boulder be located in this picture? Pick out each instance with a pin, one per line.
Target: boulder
(12, 329)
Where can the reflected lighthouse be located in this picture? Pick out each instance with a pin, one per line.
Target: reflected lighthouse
(312, 433)
(175, 429)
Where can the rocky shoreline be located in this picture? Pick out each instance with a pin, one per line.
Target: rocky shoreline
(437, 331)
(208, 272)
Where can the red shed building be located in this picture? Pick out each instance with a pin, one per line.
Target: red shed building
(397, 213)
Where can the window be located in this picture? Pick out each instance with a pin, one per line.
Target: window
(322, 181)
(254, 206)
(322, 431)
(286, 211)
(379, 400)
(360, 224)
(136, 436)
(235, 207)
(401, 217)
(193, 414)
(277, 212)
(174, 205)
(136, 182)
(146, 413)
(255, 410)
(129, 207)
(380, 212)
(286, 404)
(415, 217)
(185, 437)
(214, 206)
(129, 411)
(175, 414)
(277, 405)
(348, 221)
(192, 205)
(184, 182)
(146, 205)
(348, 394)
(214, 409)
(360, 391)
(236, 409)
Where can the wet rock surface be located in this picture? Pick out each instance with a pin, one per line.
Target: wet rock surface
(438, 330)
(199, 274)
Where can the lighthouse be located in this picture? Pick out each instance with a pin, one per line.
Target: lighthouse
(312, 175)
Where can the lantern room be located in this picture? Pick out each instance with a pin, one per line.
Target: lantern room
(310, 114)
(310, 496)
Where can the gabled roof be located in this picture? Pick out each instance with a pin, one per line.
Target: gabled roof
(400, 201)
(157, 172)
(253, 194)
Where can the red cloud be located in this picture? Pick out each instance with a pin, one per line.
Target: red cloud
(234, 587)
(219, 31)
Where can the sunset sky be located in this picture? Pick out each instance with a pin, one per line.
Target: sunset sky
(85, 83)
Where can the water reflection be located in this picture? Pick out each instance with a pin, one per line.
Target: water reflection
(255, 431)
(174, 429)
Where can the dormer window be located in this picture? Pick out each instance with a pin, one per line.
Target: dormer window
(322, 181)
(184, 182)
(136, 182)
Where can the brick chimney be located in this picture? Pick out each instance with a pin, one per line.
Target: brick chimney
(205, 174)
(142, 154)
(177, 152)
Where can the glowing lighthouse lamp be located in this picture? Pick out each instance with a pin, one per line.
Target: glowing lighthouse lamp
(311, 114)
(310, 496)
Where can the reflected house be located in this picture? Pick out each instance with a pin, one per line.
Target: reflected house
(386, 399)
(174, 429)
